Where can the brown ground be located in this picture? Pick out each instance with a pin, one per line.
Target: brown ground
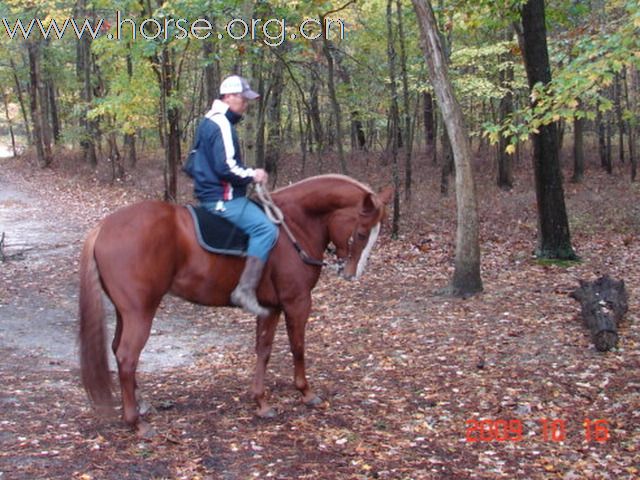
(402, 370)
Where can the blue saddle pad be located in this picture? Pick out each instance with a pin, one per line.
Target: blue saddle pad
(216, 234)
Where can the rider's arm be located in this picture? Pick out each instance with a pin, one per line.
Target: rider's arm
(225, 164)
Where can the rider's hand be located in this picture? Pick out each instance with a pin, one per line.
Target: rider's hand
(261, 176)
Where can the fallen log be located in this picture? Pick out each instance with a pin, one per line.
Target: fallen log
(604, 302)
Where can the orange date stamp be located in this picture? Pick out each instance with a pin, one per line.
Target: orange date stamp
(551, 430)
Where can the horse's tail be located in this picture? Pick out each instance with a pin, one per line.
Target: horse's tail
(94, 362)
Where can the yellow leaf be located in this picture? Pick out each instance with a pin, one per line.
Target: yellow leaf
(511, 149)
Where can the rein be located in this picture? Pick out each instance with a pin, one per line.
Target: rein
(274, 213)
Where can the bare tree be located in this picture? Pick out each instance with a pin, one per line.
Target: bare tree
(466, 277)
(394, 120)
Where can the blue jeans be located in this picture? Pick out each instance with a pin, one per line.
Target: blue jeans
(249, 217)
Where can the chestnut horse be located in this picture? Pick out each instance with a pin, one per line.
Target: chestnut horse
(141, 252)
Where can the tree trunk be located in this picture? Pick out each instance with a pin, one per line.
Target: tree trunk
(117, 168)
(406, 127)
(44, 155)
(131, 156)
(53, 109)
(505, 164)
(429, 118)
(394, 120)
(83, 72)
(466, 276)
(560, 127)
(617, 98)
(165, 69)
(9, 123)
(448, 163)
(212, 77)
(326, 49)
(303, 139)
(437, 120)
(608, 147)
(633, 104)
(578, 149)
(43, 105)
(601, 122)
(173, 140)
(554, 240)
(358, 139)
(314, 113)
(21, 100)
(261, 121)
(274, 120)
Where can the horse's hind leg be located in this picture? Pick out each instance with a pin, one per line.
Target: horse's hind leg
(143, 406)
(135, 332)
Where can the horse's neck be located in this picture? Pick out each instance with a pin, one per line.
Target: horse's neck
(309, 206)
(320, 197)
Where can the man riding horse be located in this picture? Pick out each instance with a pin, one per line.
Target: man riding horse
(221, 180)
(162, 255)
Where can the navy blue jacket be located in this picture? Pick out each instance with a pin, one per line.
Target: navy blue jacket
(217, 170)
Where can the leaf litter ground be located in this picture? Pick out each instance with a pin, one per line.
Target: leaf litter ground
(403, 371)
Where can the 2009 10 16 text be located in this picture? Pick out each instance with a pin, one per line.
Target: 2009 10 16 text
(551, 430)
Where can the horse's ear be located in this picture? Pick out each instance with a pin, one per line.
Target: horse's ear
(370, 204)
(373, 202)
(385, 195)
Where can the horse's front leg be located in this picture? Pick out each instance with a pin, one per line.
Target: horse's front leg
(265, 331)
(296, 320)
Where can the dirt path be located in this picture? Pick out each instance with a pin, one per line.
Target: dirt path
(38, 312)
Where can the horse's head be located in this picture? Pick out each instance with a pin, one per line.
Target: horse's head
(354, 231)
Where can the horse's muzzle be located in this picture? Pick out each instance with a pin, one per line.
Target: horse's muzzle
(346, 272)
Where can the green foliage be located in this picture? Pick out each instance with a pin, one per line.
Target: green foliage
(578, 87)
(587, 49)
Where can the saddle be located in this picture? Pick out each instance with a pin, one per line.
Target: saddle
(216, 234)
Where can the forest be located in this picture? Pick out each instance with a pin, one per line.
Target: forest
(509, 132)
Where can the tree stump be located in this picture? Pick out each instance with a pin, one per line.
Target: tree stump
(604, 302)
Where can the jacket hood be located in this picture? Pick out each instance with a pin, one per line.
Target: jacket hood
(221, 107)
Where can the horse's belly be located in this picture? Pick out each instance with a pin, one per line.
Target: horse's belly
(206, 279)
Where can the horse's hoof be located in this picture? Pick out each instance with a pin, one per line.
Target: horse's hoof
(145, 431)
(314, 402)
(267, 412)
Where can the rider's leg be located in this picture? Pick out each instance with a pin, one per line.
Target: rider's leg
(262, 236)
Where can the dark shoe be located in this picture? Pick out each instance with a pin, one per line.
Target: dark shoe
(244, 294)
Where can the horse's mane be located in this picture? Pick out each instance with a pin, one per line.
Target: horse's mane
(331, 176)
